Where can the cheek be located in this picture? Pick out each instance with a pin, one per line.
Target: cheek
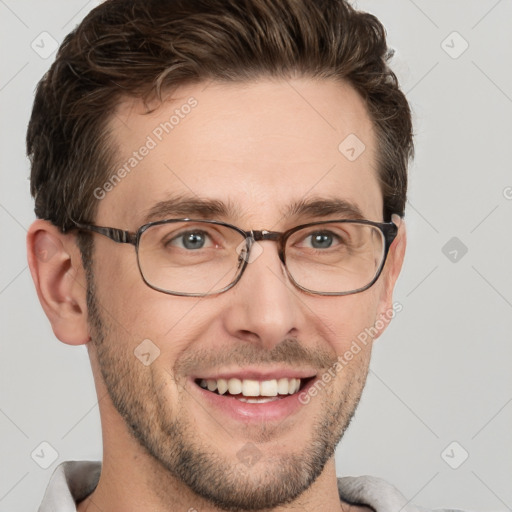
(124, 295)
(168, 321)
(347, 318)
(119, 286)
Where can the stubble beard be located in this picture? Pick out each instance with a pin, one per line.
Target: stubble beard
(164, 432)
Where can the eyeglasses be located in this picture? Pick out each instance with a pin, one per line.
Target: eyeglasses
(195, 258)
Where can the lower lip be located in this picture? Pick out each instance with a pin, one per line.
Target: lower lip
(268, 411)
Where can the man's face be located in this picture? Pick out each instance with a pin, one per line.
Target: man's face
(260, 147)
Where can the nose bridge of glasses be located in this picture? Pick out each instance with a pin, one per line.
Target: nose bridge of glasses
(274, 236)
(259, 235)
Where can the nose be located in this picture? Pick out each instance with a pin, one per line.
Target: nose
(264, 305)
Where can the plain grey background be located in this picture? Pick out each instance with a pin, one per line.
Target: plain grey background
(435, 417)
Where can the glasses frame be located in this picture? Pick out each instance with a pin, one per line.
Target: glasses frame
(388, 229)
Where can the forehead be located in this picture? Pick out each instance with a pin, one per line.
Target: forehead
(257, 149)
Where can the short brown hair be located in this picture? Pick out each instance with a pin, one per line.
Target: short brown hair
(140, 48)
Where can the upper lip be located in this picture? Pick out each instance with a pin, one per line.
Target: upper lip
(253, 373)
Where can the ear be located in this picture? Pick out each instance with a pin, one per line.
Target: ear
(387, 310)
(56, 266)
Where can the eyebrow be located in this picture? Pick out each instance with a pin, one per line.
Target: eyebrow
(192, 206)
(324, 207)
(203, 208)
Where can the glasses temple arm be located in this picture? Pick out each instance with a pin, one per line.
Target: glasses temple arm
(117, 235)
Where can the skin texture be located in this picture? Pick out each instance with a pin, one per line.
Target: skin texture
(261, 146)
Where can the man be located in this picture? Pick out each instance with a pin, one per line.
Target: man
(220, 189)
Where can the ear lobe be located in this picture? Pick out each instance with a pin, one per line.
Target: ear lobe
(391, 272)
(56, 267)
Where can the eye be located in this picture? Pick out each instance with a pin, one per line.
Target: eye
(191, 240)
(321, 240)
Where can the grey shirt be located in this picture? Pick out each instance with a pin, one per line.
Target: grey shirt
(73, 481)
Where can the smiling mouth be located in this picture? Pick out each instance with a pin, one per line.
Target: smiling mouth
(254, 391)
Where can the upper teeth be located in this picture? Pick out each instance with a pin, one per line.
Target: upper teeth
(248, 387)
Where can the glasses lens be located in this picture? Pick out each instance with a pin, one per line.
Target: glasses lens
(190, 257)
(335, 258)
